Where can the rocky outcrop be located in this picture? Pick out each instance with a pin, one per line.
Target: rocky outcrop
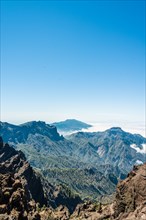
(14, 203)
(14, 162)
(130, 200)
(129, 204)
(23, 192)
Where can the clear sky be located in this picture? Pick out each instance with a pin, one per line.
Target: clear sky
(72, 59)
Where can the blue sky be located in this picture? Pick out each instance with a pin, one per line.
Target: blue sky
(72, 59)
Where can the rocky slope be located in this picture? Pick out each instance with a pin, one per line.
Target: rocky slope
(23, 191)
(129, 203)
(130, 200)
(20, 188)
(14, 162)
(23, 194)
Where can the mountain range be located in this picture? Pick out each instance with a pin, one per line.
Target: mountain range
(113, 146)
(90, 164)
(26, 195)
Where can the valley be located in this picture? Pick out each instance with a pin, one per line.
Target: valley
(26, 195)
(89, 164)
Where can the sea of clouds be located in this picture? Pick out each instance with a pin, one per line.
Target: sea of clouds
(132, 127)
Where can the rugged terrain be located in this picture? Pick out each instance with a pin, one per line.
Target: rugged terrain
(129, 202)
(113, 146)
(90, 164)
(23, 191)
(26, 195)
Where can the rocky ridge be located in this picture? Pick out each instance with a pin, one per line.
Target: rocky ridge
(113, 146)
(23, 191)
(24, 197)
(106, 156)
(20, 188)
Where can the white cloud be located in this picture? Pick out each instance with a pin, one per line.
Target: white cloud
(132, 127)
(142, 151)
(138, 162)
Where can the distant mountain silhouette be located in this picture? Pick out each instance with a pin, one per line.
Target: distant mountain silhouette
(71, 125)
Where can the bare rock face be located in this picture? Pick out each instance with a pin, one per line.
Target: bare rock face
(14, 162)
(20, 188)
(14, 203)
(130, 200)
(24, 193)
(92, 211)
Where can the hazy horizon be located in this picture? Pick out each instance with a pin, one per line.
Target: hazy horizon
(128, 126)
(73, 59)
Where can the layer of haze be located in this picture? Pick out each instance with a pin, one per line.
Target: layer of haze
(72, 59)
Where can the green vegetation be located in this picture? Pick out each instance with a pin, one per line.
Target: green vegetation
(89, 164)
(85, 182)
